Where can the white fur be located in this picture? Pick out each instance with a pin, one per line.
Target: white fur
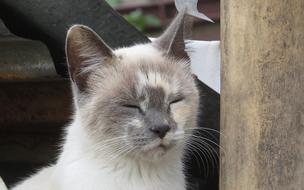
(2, 185)
(79, 169)
(139, 52)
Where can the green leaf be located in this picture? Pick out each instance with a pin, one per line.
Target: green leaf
(136, 14)
(114, 2)
(138, 19)
(152, 20)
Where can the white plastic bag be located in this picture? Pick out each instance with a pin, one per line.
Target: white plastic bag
(205, 62)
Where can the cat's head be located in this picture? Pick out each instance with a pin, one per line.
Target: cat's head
(136, 101)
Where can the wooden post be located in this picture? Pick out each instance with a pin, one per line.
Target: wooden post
(262, 100)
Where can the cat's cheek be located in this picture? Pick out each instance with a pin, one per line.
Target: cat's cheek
(180, 113)
(136, 123)
(167, 141)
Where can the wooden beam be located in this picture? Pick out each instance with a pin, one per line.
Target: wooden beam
(262, 104)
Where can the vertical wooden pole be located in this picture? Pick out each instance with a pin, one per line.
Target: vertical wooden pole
(262, 100)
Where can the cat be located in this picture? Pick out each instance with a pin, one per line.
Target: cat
(134, 110)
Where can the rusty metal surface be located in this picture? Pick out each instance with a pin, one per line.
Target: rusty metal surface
(23, 59)
(34, 106)
(33, 97)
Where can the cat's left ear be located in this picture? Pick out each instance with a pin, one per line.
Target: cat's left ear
(84, 48)
(172, 40)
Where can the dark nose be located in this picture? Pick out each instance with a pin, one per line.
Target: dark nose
(160, 130)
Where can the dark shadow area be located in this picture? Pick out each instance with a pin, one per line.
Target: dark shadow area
(203, 168)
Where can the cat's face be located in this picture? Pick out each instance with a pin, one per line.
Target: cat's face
(148, 100)
(137, 101)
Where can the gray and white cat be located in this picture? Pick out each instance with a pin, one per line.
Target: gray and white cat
(134, 107)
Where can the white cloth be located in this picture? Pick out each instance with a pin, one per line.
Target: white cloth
(205, 62)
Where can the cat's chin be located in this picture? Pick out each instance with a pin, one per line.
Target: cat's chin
(156, 152)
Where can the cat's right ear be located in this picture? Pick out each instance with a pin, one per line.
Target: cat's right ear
(84, 48)
(172, 40)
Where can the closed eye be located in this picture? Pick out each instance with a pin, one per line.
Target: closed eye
(177, 100)
(133, 106)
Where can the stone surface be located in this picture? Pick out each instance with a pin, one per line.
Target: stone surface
(262, 104)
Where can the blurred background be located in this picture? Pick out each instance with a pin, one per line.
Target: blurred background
(152, 16)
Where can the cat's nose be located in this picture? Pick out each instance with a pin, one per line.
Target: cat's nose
(160, 130)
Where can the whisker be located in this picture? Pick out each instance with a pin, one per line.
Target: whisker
(206, 139)
(204, 129)
(199, 152)
(201, 144)
(213, 157)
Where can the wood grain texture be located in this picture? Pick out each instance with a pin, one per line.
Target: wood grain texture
(262, 104)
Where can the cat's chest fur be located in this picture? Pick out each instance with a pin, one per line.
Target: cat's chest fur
(78, 169)
(127, 177)
(83, 170)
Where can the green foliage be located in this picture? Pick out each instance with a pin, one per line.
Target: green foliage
(140, 20)
(114, 2)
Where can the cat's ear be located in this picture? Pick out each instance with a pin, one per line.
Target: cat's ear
(172, 40)
(84, 49)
